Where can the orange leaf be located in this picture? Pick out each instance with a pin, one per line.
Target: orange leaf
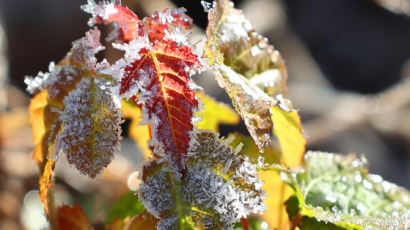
(42, 118)
(72, 218)
(138, 222)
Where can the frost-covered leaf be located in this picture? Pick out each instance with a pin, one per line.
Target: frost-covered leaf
(138, 222)
(337, 191)
(250, 150)
(215, 113)
(72, 218)
(156, 75)
(90, 130)
(77, 107)
(127, 205)
(218, 187)
(130, 27)
(138, 132)
(246, 66)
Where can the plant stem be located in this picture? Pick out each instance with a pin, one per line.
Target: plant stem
(52, 219)
(244, 224)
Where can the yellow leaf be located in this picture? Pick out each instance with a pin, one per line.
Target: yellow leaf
(215, 113)
(288, 130)
(42, 118)
(250, 149)
(139, 133)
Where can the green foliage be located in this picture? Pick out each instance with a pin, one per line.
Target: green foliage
(336, 192)
(127, 205)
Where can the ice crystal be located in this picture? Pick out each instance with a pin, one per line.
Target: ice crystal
(103, 9)
(90, 126)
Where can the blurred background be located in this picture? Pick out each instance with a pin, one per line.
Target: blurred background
(349, 76)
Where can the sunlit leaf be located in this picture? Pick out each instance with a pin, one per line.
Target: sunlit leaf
(127, 205)
(138, 132)
(42, 118)
(249, 149)
(72, 218)
(338, 190)
(246, 66)
(155, 74)
(215, 113)
(288, 130)
(218, 187)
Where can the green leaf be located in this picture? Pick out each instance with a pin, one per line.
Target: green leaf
(338, 191)
(127, 205)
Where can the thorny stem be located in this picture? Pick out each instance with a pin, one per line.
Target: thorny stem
(52, 219)
(244, 224)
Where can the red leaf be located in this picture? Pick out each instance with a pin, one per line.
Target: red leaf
(167, 101)
(72, 218)
(126, 19)
(129, 24)
(155, 73)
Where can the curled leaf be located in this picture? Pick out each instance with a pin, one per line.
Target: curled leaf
(246, 66)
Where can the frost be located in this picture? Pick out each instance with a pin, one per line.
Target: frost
(178, 36)
(233, 198)
(90, 126)
(337, 189)
(247, 67)
(103, 9)
(206, 5)
(132, 54)
(216, 180)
